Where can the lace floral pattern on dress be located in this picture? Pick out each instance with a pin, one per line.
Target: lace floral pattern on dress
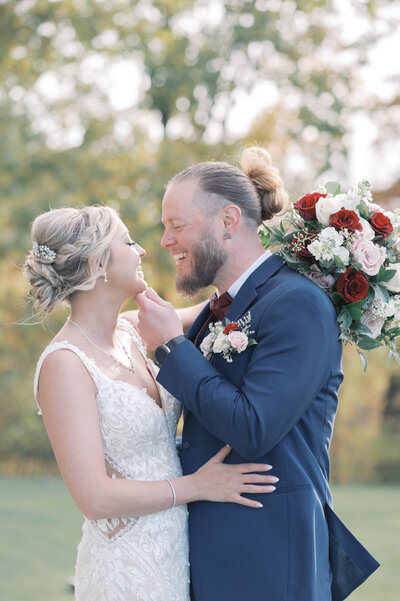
(142, 558)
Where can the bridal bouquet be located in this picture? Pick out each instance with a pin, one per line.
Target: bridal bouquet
(350, 247)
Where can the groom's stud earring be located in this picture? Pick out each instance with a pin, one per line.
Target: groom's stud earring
(227, 236)
(105, 277)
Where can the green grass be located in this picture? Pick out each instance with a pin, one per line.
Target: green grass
(39, 531)
(372, 513)
(40, 528)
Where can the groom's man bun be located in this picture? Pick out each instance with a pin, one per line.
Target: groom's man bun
(257, 189)
(257, 165)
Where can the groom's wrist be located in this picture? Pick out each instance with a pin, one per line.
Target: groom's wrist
(162, 351)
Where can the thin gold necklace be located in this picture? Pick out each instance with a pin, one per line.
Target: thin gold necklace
(131, 367)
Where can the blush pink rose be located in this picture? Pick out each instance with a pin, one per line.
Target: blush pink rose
(375, 324)
(238, 341)
(324, 281)
(368, 255)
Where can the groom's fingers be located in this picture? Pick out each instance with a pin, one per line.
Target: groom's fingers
(151, 300)
(141, 300)
(152, 295)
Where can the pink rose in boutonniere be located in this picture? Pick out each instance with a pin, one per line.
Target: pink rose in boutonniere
(238, 341)
(228, 338)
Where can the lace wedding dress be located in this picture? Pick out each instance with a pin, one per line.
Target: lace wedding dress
(138, 558)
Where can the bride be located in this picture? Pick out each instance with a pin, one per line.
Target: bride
(111, 426)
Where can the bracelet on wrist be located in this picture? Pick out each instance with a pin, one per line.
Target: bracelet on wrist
(173, 493)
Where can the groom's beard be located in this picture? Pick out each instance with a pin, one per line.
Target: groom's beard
(207, 260)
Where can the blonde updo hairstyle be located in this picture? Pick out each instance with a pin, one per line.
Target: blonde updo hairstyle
(75, 235)
(257, 189)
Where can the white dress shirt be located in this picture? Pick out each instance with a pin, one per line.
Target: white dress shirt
(235, 287)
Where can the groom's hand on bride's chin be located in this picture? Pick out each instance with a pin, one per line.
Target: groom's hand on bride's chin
(158, 321)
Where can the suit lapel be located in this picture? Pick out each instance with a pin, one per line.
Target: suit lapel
(198, 323)
(248, 293)
(244, 299)
(192, 334)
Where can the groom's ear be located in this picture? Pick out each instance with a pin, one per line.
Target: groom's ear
(231, 216)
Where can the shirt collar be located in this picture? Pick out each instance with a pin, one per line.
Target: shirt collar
(235, 287)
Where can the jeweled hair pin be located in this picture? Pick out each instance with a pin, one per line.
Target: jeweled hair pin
(41, 251)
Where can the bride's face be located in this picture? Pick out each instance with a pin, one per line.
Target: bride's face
(124, 270)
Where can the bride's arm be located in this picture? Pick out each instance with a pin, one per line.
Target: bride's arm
(188, 315)
(67, 399)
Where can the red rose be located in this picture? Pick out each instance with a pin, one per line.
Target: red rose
(352, 285)
(346, 219)
(301, 242)
(230, 327)
(381, 224)
(306, 205)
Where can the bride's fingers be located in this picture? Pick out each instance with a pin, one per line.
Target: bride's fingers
(222, 454)
(247, 502)
(257, 489)
(258, 478)
(246, 468)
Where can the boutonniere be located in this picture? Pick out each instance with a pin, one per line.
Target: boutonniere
(228, 338)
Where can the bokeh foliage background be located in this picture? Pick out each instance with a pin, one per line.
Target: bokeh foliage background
(103, 101)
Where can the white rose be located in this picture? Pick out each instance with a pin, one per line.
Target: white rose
(394, 283)
(367, 231)
(374, 207)
(221, 343)
(315, 248)
(326, 207)
(206, 345)
(394, 217)
(238, 340)
(390, 308)
(396, 301)
(396, 244)
(342, 253)
(350, 201)
(330, 235)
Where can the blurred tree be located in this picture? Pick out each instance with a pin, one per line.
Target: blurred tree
(104, 101)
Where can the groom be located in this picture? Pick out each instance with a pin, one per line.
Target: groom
(274, 403)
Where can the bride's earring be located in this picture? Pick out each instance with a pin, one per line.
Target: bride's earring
(227, 236)
(105, 277)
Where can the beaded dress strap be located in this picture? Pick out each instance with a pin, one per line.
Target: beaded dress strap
(89, 364)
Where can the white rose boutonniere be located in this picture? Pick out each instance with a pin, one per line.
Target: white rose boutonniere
(228, 338)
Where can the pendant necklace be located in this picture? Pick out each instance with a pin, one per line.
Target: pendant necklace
(112, 356)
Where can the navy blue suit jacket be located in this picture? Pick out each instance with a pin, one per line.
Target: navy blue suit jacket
(275, 403)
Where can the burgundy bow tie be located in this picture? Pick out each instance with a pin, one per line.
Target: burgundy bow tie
(219, 305)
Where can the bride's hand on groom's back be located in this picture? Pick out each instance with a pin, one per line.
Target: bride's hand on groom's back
(224, 482)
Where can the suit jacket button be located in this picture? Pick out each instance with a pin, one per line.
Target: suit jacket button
(186, 445)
